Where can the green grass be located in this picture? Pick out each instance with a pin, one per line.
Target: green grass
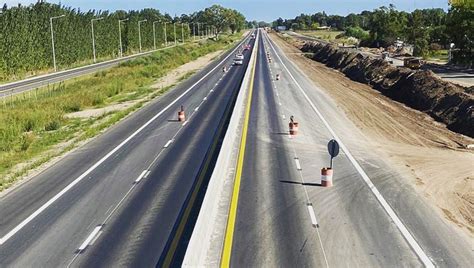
(322, 34)
(438, 55)
(33, 123)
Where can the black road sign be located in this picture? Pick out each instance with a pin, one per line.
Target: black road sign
(333, 149)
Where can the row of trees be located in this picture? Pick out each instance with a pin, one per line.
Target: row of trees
(25, 35)
(384, 25)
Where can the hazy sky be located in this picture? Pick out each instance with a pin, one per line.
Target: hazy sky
(266, 10)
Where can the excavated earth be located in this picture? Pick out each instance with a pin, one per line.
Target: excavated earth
(422, 90)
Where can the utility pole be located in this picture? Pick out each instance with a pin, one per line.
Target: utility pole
(120, 36)
(140, 35)
(154, 35)
(194, 31)
(52, 39)
(182, 32)
(93, 38)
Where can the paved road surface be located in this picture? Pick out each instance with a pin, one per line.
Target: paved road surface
(273, 226)
(113, 216)
(44, 80)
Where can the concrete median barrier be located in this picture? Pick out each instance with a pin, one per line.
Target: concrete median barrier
(206, 243)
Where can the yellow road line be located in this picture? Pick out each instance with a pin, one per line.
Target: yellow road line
(229, 235)
(179, 232)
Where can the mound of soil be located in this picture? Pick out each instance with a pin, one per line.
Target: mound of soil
(448, 103)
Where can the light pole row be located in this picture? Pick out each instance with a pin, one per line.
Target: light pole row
(208, 30)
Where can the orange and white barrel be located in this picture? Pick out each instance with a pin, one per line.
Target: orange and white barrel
(326, 177)
(293, 128)
(277, 77)
(181, 115)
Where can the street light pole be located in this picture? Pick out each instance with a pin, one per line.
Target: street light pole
(140, 35)
(52, 39)
(120, 36)
(154, 35)
(182, 32)
(93, 38)
(194, 31)
(166, 39)
(174, 27)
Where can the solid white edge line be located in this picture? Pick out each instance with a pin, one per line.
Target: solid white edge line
(403, 229)
(22, 224)
(196, 109)
(298, 166)
(141, 176)
(185, 122)
(89, 238)
(312, 215)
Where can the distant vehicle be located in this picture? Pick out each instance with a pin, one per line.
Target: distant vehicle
(412, 63)
(253, 36)
(246, 47)
(239, 56)
(238, 62)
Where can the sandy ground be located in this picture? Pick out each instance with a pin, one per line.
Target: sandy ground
(58, 151)
(174, 76)
(433, 156)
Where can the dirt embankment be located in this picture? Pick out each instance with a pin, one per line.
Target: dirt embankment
(448, 103)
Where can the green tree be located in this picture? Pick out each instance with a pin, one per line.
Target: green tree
(418, 34)
(460, 29)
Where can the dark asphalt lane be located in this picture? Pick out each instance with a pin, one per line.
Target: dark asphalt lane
(53, 237)
(44, 80)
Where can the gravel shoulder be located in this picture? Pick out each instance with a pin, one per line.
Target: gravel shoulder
(435, 158)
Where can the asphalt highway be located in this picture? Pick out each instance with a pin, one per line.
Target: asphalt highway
(124, 198)
(371, 217)
(44, 80)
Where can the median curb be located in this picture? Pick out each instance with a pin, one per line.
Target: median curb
(207, 241)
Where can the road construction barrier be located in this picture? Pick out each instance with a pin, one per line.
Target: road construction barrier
(293, 126)
(277, 77)
(326, 177)
(269, 59)
(181, 115)
(224, 69)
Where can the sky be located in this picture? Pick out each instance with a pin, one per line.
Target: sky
(260, 10)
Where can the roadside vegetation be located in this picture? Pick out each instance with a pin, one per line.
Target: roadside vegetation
(34, 126)
(430, 32)
(328, 35)
(25, 34)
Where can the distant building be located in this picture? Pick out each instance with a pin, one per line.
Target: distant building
(281, 28)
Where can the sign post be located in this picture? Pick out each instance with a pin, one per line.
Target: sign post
(326, 173)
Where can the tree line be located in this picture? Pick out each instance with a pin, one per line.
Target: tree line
(25, 34)
(427, 29)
